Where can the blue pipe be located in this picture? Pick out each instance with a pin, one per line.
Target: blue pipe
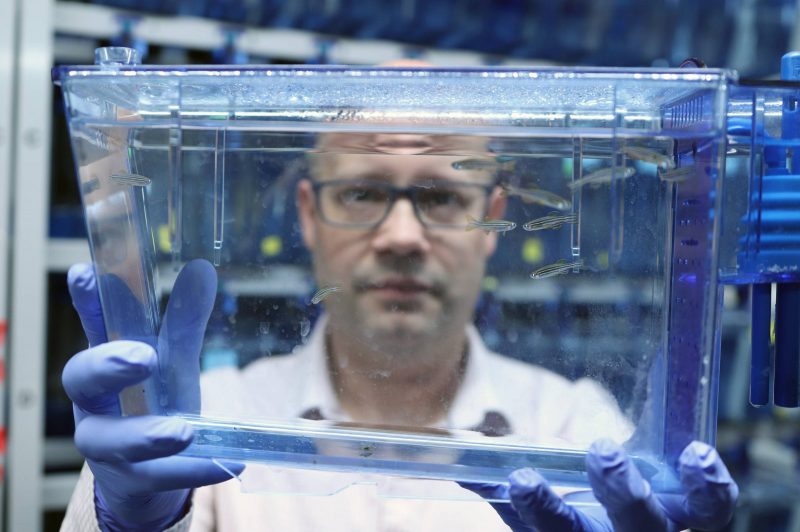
(761, 299)
(787, 345)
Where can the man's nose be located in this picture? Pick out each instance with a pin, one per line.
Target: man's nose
(401, 232)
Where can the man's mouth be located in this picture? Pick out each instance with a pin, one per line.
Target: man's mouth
(398, 287)
(406, 284)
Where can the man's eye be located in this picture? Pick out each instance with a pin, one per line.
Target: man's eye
(442, 198)
(361, 194)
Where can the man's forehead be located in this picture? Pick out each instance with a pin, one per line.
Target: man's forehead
(398, 155)
(402, 144)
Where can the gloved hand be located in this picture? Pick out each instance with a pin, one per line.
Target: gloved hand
(628, 503)
(139, 484)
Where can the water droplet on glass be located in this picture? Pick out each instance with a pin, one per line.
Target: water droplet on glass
(305, 327)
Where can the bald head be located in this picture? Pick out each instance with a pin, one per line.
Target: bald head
(413, 63)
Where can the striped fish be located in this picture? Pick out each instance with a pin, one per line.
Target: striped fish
(501, 162)
(323, 292)
(557, 268)
(135, 180)
(677, 175)
(646, 155)
(603, 176)
(553, 220)
(496, 226)
(90, 186)
(537, 195)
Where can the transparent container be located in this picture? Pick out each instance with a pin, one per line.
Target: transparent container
(546, 274)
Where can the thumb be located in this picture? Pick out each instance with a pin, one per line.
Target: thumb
(82, 284)
(180, 339)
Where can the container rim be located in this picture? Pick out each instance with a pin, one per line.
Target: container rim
(64, 72)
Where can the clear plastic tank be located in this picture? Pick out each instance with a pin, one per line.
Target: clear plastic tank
(447, 343)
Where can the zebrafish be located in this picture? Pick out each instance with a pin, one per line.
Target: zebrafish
(323, 292)
(646, 155)
(131, 179)
(603, 176)
(537, 195)
(557, 268)
(90, 186)
(497, 226)
(553, 220)
(677, 175)
(501, 162)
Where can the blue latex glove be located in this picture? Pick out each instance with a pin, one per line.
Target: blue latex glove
(628, 504)
(139, 484)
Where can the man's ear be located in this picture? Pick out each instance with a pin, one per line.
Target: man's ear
(497, 209)
(306, 209)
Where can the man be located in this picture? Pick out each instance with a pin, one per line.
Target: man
(385, 226)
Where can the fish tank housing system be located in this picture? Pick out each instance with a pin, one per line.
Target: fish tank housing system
(179, 163)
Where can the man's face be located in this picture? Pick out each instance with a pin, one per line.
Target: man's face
(402, 283)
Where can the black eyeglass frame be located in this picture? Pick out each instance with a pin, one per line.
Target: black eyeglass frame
(410, 192)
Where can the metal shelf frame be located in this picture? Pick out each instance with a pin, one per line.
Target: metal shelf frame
(7, 53)
(30, 181)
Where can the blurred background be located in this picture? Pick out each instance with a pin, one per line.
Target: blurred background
(45, 232)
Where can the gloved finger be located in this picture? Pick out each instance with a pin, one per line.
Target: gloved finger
(493, 493)
(82, 284)
(166, 474)
(710, 493)
(540, 507)
(93, 378)
(617, 484)
(180, 339)
(131, 439)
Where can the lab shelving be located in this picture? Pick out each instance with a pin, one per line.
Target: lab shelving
(290, 45)
(7, 42)
(47, 32)
(27, 328)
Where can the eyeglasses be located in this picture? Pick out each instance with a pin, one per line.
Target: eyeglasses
(366, 203)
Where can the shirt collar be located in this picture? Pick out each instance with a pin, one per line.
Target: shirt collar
(475, 406)
(318, 394)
